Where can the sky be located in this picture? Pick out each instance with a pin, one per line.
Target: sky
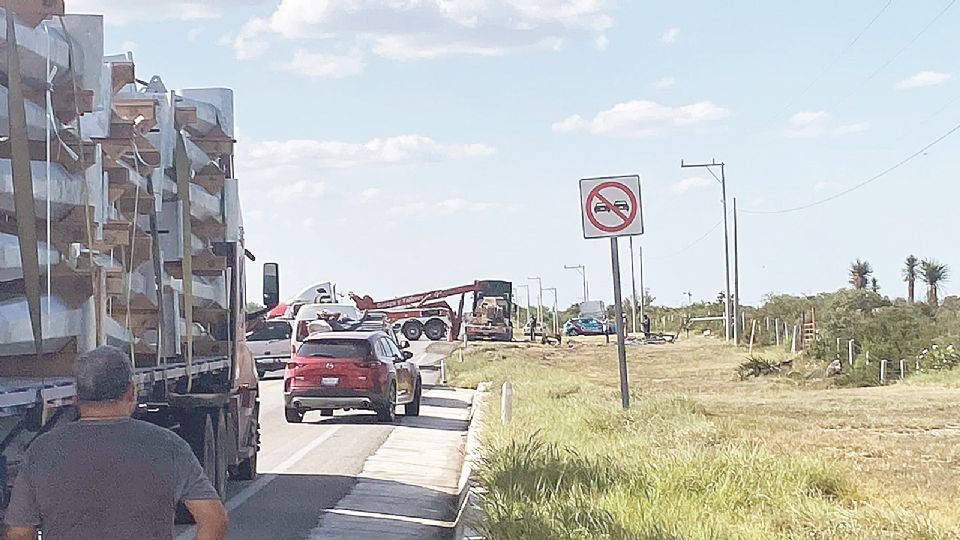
(397, 146)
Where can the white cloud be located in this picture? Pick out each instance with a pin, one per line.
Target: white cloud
(827, 186)
(924, 78)
(807, 124)
(249, 43)
(122, 12)
(849, 129)
(670, 36)
(370, 194)
(690, 184)
(423, 29)
(399, 150)
(447, 207)
(602, 42)
(810, 124)
(295, 191)
(320, 65)
(641, 117)
(665, 82)
(195, 33)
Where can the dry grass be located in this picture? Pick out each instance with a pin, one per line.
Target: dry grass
(900, 444)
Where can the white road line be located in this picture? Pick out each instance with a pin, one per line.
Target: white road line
(406, 519)
(268, 477)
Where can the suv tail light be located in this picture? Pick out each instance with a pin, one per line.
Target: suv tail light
(368, 364)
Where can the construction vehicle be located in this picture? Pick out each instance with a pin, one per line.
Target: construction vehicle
(120, 224)
(429, 313)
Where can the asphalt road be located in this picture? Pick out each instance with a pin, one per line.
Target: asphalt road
(306, 469)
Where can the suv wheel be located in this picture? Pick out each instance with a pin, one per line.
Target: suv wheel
(413, 408)
(293, 416)
(388, 414)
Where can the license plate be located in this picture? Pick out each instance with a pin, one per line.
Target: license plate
(330, 381)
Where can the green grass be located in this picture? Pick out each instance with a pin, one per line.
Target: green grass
(573, 465)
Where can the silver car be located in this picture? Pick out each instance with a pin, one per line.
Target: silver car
(270, 344)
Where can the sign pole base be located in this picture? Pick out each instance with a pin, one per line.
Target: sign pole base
(621, 330)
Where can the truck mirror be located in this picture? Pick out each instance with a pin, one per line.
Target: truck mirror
(271, 285)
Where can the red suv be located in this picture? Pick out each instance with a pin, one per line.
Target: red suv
(351, 370)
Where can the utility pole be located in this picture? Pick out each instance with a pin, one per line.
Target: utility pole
(527, 287)
(583, 273)
(726, 235)
(539, 299)
(633, 285)
(736, 278)
(556, 314)
(643, 292)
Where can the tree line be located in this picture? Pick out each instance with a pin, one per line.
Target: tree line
(930, 271)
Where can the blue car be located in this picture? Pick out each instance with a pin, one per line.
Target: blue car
(583, 326)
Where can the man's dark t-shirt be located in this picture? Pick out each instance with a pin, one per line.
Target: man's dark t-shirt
(110, 479)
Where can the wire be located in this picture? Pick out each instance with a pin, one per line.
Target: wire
(866, 182)
(836, 59)
(898, 53)
(691, 244)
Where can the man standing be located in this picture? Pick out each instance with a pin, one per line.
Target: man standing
(108, 476)
(533, 328)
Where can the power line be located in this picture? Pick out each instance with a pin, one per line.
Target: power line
(833, 63)
(898, 53)
(870, 180)
(691, 244)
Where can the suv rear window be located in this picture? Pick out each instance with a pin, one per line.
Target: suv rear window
(335, 348)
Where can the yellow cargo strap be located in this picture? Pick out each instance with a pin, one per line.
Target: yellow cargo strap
(182, 163)
(24, 203)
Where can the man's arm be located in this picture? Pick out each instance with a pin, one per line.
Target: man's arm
(17, 532)
(210, 515)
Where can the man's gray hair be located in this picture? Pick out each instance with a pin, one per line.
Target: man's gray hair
(103, 374)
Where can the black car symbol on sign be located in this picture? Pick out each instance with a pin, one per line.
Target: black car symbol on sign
(600, 208)
(622, 205)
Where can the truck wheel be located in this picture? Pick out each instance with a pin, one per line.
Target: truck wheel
(247, 469)
(413, 408)
(388, 414)
(220, 451)
(293, 416)
(203, 440)
(436, 330)
(412, 330)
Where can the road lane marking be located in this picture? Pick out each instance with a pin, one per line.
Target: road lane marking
(234, 502)
(406, 519)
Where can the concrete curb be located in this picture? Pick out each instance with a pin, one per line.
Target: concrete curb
(469, 491)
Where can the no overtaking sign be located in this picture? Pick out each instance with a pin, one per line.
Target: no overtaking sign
(611, 207)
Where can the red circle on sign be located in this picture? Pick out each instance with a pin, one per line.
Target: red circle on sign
(627, 219)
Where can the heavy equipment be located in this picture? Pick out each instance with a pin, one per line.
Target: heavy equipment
(428, 312)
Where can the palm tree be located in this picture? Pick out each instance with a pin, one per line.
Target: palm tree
(860, 274)
(874, 285)
(933, 273)
(910, 276)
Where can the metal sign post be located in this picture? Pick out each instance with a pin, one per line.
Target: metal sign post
(611, 208)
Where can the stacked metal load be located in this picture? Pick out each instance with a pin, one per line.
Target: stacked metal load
(110, 175)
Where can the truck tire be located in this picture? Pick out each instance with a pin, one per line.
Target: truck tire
(412, 330)
(413, 408)
(198, 430)
(246, 469)
(220, 453)
(436, 330)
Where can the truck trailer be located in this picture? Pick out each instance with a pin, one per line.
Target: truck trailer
(120, 224)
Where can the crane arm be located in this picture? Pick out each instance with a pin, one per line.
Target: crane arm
(365, 302)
